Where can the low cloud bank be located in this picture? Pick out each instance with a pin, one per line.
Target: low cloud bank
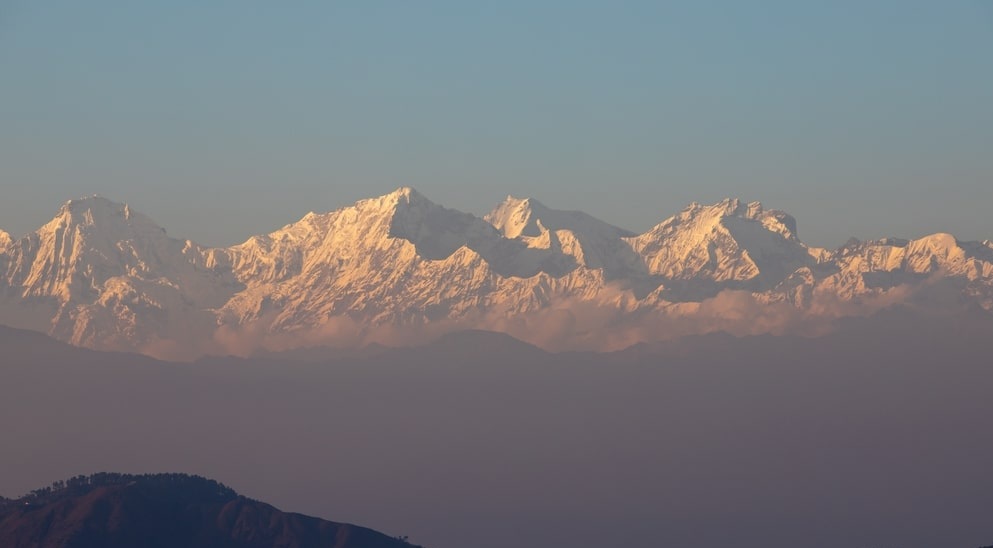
(582, 325)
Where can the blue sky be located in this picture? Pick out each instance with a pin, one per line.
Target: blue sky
(224, 120)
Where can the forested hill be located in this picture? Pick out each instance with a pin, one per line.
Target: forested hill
(165, 511)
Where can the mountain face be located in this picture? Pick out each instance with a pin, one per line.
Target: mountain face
(590, 242)
(104, 276)
(399, 267)
(728, 243)
(164, 511)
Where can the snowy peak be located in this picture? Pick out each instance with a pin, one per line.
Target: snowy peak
(437, 232)
(383, 242)
(5, 241)
(389, 204)
(110, 278)
(398, 214)
(408, 195)
(515, 217)
(87, 242)
(587, 240)
(729, 208)
(927, 255)
(940, 242)
(700, 219)
(725, 242)
(101, 218)
(407, 214)
(773, 220)
(526, 217)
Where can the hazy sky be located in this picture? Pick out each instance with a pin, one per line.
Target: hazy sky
(234, 118)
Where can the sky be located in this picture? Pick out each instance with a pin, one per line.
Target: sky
(225, 119)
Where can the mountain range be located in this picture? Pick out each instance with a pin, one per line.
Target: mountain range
(400, 268)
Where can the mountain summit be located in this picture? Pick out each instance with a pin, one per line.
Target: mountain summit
(727, 242)
(100, 274)
(398, 268)
(590, 242)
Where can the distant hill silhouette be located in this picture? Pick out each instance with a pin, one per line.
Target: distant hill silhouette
(875, 434)
(165, 511)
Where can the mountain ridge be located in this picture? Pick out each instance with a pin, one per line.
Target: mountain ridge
(397, 268)
(165, 510)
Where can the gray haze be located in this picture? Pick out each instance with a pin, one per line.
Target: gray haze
(876, 435)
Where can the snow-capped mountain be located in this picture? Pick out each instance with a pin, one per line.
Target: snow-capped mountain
(590, 242)
(725, 242)
(104, 276)
(398, 258)
(867, 267)
(399, 267)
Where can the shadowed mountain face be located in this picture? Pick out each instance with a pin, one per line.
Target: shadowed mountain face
(165, 511)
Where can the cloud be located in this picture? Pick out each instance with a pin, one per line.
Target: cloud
(579, 325)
